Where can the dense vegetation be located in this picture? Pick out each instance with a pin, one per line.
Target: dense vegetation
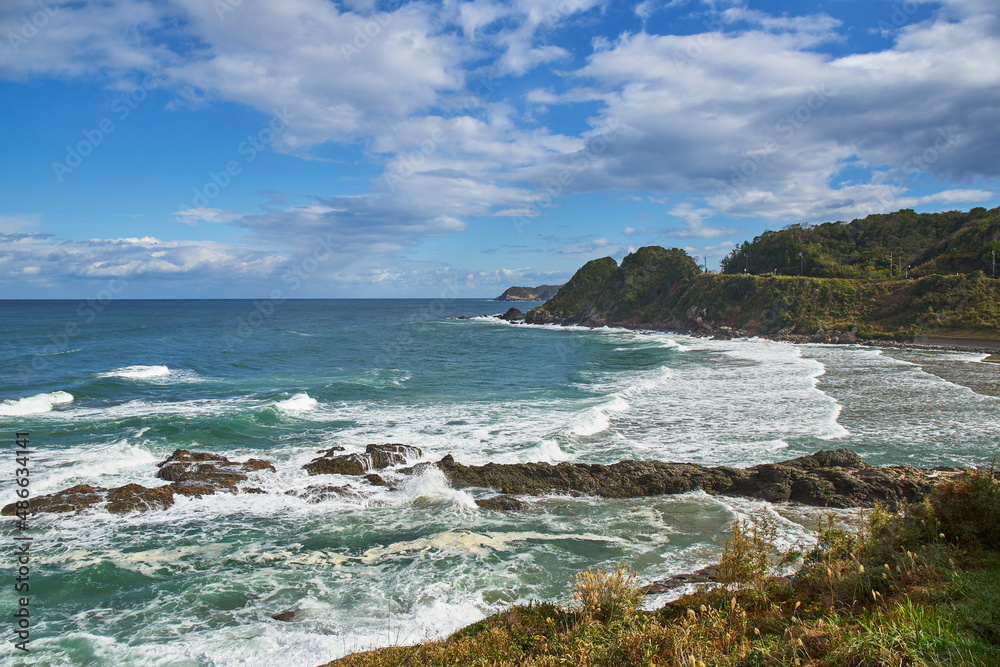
(916, 589)
(540, 293)
(918, 244)
(655, 285)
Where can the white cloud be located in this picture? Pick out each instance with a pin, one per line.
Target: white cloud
(192, 216)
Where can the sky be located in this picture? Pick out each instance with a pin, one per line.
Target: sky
(312, 148)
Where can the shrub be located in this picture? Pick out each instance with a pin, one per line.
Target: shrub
(968, 510)
(605, 596)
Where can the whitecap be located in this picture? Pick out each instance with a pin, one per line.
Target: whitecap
(34, 405)
(597, 419)
(546, 451)
(301, 402)
(137, 372)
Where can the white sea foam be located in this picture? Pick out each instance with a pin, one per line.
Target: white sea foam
(598, 418)
(106, 464)
(546, 451)
(432, 486)
(137, 372)
(34, 405)
(298, 403)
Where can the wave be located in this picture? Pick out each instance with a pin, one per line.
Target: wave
(546, 451)
(137, 372)
(598, 419)
(301, 402)
(34, 405)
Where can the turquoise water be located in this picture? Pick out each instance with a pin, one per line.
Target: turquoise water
(106, 395)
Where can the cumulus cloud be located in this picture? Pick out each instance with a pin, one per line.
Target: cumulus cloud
(748, 118)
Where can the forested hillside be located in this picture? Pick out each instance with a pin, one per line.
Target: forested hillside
(918, 244)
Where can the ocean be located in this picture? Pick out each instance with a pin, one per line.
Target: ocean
(109, 389)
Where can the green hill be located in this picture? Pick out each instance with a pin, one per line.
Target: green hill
(927, 243)
(665, 287)
(540, 293)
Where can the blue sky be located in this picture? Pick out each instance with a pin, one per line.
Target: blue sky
(232, 148)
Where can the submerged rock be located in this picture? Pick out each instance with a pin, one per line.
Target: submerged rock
(286, 616)
(502, 503)
(825, 479)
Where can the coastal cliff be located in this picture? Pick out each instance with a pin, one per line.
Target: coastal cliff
(540, 293)
(665, 289)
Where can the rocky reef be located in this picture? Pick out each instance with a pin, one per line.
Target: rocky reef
(826, 479)
(189, 474)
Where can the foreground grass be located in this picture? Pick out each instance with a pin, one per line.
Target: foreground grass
(917, 589)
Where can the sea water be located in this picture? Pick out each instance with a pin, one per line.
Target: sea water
(107, 395)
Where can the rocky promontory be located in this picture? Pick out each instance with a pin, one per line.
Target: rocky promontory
(664, 289)
(540, 293)
(825, 479)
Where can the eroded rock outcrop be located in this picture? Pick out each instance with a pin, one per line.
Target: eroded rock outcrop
(189, 474)
(825, 479)
(376, 457)
(512, 315)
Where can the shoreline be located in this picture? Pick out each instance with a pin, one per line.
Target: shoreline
(701, 329)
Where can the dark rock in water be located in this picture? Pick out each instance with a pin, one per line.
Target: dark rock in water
(287, 615)
(512, 315)
(825, 479)
(137, 498)
(383, 456)
(847, 338)
(331, 450)
(501, 503)
(350, 464)
(317, 493)
(704, 575)
(724, 333)
(189, 474)
(73, 499)
(376, 457)
(540, 316)
(201, 473)
(375, 480)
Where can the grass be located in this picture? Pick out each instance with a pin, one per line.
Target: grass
(917, 589)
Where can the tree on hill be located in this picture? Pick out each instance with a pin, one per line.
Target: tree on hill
(917, 244)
